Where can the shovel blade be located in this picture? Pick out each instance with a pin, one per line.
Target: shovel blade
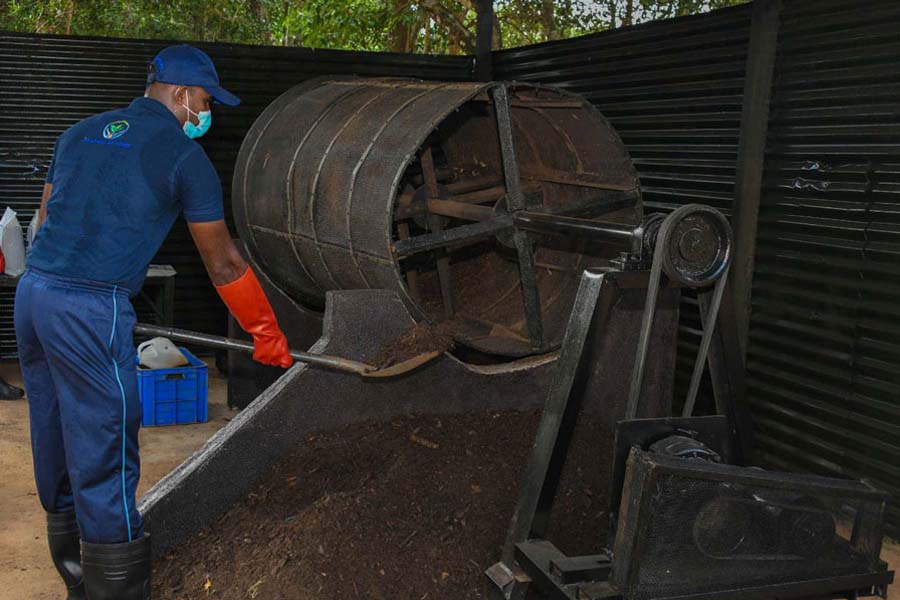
(403, 367)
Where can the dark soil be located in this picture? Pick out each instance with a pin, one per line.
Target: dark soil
(418, 339)
(413, 509)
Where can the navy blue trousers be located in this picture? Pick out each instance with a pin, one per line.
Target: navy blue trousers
(77, 358)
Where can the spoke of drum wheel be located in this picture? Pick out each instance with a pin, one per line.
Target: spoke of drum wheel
(530, 296)
(434, 223)
(515, 200)
(511, 177)
(412, 275)
(463, 235)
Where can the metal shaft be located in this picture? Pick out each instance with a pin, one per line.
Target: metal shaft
(223, 343)
(587, 228)
(524, 220)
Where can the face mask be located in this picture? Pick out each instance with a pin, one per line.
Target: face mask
(205, 120)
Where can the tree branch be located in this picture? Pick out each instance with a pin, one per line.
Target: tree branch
(443, 15)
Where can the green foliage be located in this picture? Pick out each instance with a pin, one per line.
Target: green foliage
(432, 26)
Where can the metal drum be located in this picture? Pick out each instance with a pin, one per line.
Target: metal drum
(411, 186)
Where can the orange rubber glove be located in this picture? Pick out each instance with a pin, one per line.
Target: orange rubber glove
(246, 300)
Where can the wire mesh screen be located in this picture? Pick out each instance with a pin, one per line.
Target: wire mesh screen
(718, 528)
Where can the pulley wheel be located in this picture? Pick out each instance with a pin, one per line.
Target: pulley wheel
(696, 245)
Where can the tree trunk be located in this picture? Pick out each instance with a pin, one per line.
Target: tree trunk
(548, 21)
(460, 38)
(285, 37)
(613, 17)
(629, 13)
(400, 35)
(199, 24)
(453, 44)
(259, 12)
(70, 12)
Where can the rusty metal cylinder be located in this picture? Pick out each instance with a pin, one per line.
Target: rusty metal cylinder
(332, 175)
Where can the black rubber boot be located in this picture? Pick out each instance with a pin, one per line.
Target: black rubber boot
(117, 571)
(10, 392)
(64, 540)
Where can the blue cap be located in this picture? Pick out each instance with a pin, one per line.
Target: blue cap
(186, 65)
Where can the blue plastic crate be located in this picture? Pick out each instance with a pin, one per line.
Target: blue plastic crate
(174, 396)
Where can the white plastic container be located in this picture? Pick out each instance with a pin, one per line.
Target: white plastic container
(12, 243)
(160, 353)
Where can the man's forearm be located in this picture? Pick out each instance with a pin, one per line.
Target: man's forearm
(228, 269)
(42, 213)
(221, 257)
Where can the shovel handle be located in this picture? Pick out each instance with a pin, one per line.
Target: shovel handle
(224, 343)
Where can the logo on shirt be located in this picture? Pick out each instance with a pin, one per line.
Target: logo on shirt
(115, 129)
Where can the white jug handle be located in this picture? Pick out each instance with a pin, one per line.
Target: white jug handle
(142, 346)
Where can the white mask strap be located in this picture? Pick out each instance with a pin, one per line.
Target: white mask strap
(186, 106)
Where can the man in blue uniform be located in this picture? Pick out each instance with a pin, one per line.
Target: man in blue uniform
(116, 184)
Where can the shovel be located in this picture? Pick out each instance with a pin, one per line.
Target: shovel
(322, 360)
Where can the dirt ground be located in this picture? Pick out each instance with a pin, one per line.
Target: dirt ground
(296, 507)
(26, 572)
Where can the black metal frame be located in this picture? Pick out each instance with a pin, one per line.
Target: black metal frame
(646, 469)
(711, 431)
(597, 294)
(560, 577)
(611, 575)
(748, 184)
(528, 558)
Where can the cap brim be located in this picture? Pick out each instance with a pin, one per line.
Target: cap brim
(222, 95)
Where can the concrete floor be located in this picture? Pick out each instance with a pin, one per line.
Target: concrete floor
(26, 572)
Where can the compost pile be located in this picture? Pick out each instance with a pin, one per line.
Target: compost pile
(418, 339)
(412, 509)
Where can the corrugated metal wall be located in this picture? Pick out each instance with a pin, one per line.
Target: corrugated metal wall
(824, 352)
(47, 83)
(824, 348)
(673, 90)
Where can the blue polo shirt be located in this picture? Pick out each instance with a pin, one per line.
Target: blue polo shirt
(120, 179)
